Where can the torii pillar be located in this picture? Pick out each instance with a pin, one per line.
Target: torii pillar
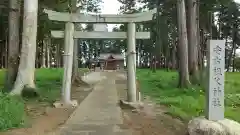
(70, 34)
(131, 62)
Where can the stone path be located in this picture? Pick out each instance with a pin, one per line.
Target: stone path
(99, 113)
(93, 77)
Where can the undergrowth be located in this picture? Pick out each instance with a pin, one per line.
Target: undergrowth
(48, 84)
(187, 103)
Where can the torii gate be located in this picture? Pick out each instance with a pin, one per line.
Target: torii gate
(69, 34)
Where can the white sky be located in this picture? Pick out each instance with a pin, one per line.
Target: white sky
(110, 7)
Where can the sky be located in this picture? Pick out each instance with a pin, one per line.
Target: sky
(110, 7)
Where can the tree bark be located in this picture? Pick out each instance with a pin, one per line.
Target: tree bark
(13, 44)
(48, 41)
(200, 57)
(58, 56)
(75, 59)
(1, 55)
(25, 76)
(234, 57)
(183, 45)
(159, 44)
(6, 53)
(76, 77)
(174, 62)
(192, 40)
(233, 47)
(44, 45)
(75, 72)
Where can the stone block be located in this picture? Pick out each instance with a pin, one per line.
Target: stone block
(61, 104)
(203, 126)
(132, 105)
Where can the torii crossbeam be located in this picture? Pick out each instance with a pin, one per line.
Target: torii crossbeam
(102, 18)
(131, 35)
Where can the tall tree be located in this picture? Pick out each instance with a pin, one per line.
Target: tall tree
(182, 45)
(25, 76)
(13, 43)
(75, 74)
(128, 6)
(192, 40)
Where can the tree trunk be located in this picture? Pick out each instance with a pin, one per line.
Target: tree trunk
(174, 62)
(1, 55)
(200, 52)
(48, 58)
(75, 59)
(25, 76)
(159, 44)
(183, 45)
(58, 56)
(200, 57)
(192, 41)
(76, 77)
(37, 58)
(233, 48)
(6, 53)
(167, 57)
(226, 54)
(13, 44)
(210, 16)
(234, 53)
(44, 45)
(234, 57)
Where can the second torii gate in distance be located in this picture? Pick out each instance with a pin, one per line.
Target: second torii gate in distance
(70, 34)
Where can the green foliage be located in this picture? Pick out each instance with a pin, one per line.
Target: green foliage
(12, 113)
(187, 103)
(48, 83)
(237, 63)
(128, 6)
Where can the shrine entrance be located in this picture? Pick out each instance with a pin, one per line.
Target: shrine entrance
(131, 35)
(111, 63)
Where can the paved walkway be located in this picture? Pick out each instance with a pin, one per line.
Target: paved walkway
(99, 113)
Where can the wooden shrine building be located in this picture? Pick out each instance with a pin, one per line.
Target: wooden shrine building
(111, 61)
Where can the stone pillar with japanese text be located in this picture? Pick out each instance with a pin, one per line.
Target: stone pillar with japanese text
(215, 90)
(214, 122)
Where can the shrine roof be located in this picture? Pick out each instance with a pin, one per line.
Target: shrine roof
(104, 56)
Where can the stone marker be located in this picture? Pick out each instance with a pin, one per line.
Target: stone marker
(215, 94)
(203, 126)
(214, 122)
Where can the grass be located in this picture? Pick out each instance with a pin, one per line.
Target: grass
(12, 112)
(187, 103)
